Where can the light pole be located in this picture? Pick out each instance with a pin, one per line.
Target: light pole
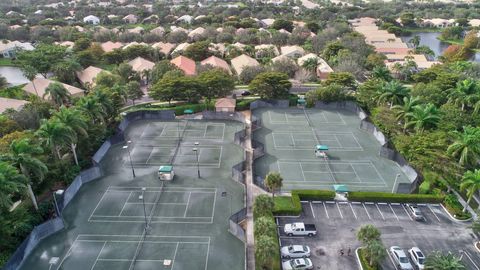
(57, 209)
(142, 198)
(196, 150)
(130, 157)
(395, 182)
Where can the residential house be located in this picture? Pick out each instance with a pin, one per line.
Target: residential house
(90, 19)
(185, 19)
(109, 46)
(150, 19)
(137, 30)
(87, 76)
(180, 48)
(304, 58)
(159, 31)
(130, 18)
(199, 31)
(268, 49)
(164, 48)
(181, 29)
(267, 22)
(225, 105)
(9, 49)
(186, 64)
(323, 69)
(134, 44)
(218, 48)
(39, 85)
(437, 22)
(14, 104)
(216, 63)
(141, 65)
(242, 61)
(294, 51)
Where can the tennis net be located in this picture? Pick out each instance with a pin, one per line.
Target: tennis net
(180, 138)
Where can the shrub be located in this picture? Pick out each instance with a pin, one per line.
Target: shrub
(314, 194)
(394, 197)
(454, 207)
(364, 261)
(287, 206)
(292, 100)
(244, 104)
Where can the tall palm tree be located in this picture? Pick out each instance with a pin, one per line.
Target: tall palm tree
(368, 233)
(3, 82)
(415, 41)
(55, 134)
(58, 93)
(30, 73)
(466, 147)
(310, 64)
(437, 261)
(92, 109)
(22, 155)
(74, 120)
(380, 72)
(392, 92)
(470, 183)
(465, 94)
(105, 101)
(11, 182)
(422, 117)
(375, 251)
(401, 111)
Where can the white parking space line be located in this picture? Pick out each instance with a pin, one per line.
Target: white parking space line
(364, 207)
(326, 212)
(378, 208)
(311, 208)
(338, 207)
(431, 210)
(391, 259)
(406, 211)
(470, 258)
(391, 208)
(353, 211)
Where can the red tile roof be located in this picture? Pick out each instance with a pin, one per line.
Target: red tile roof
(185, 64)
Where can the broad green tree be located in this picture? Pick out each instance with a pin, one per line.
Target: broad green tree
(270, 85)
(73, 119)
(11, 182)
(30, 73)
(375, 252)
(440, 261)
(134, 91)
(466, 146)
(423, 117)
(273, 181)
(58, 93)
(65, 71)
(22, 155)
(471, 184)
(43, 58)
(216, 83)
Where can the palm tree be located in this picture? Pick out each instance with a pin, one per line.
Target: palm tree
(466, 146)
(380, 72)
(273, 181)
(466, 93)
(11, 182)
(105, 101)
(422, 117)
(415, 41)
(92, 108)
(3, 82)
(471, 184)
(73, 119)
(401, 111)
(392, 92)
(310, 64)
(30, 73)
(368, 233)
(55, 134)
(439, 261)
(22, 155)
(375, 252)
(58, 93)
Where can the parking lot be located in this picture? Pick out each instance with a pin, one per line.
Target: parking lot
(338, 222)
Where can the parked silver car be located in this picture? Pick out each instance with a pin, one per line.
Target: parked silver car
(415, 212)
(417, 257)
(400, 258)
(297, 264)
(295, 251)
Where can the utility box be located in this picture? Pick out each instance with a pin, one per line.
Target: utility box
(166, 173)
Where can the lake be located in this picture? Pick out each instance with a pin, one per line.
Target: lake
(13, 75)
(430, 39)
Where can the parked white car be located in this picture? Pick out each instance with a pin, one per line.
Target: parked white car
(417, 257)
(297, 264)
(415, 212)
(400, 258)
(295, 251)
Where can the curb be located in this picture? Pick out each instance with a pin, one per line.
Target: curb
(475, 245)
(358, 258)
(453, 218)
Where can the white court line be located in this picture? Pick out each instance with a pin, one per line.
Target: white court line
(208, 253)
(353, 211)
(96, 260)
(391, 208)
(311, 208)
(68, 253)
(408, 214)
(338, 207)
(293, 140)
(364, 207)
(186, 207)
(213, 209)
(326, 212)
(175, 254)
(303, 174)
(356, 174)
(125, 203)
(378, 208)
(433, 212)
(338, 141)
(341, 118)
(95, 209)
(141, 136)
(468, 256)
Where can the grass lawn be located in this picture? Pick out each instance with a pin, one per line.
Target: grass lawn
(423, 29)
(283, 202)
(6, 62)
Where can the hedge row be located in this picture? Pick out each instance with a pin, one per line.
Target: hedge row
(179, 110)
(291, 206)
(364, 261)
(360, 196)
(310, 195)
(244, 104)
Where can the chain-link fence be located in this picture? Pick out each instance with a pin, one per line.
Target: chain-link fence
(269, 104)
(234, 227)
(234, 116)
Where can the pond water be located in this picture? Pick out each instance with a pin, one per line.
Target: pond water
(430, 39)
(13, 75)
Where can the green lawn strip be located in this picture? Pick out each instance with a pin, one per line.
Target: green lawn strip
(6, 62)
(360, 196)
(455, 208)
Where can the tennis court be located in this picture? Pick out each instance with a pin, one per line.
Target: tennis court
(291, 135)
(187, 218)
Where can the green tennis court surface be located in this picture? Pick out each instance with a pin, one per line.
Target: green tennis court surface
(290, 136)
(187, 218)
